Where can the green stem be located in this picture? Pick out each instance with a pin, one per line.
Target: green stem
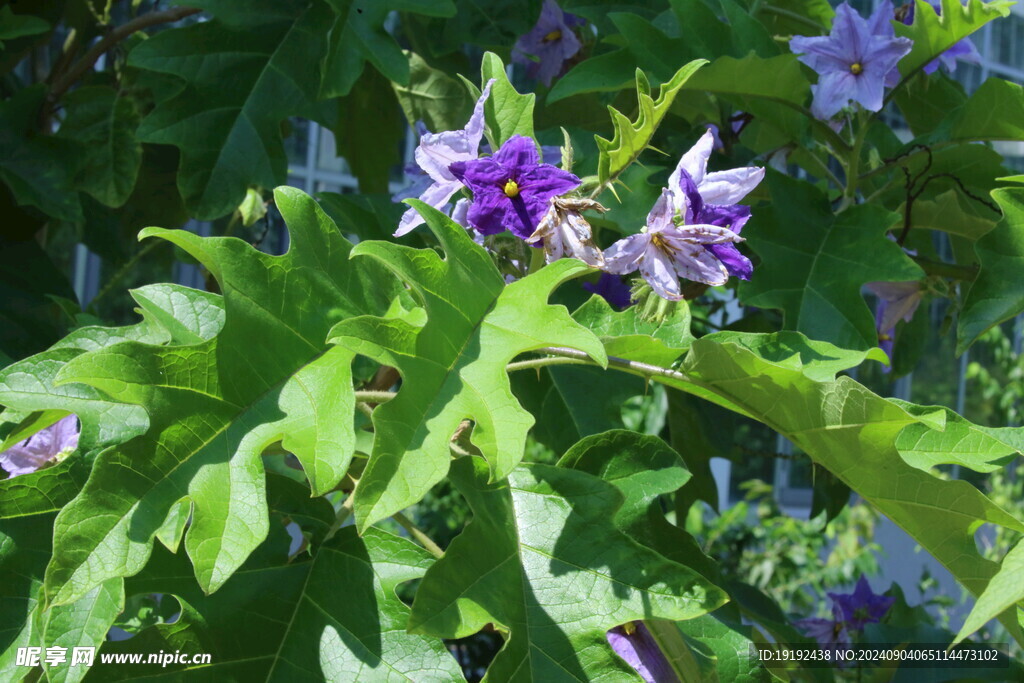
(344, 512)
(536, 260)
(374, 396)
(417, 533)
(853, 163)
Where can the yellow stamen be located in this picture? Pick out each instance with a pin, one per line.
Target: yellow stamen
(661, 243)
(629, 627)
(554, 35)
(856, 68)
(511, 188)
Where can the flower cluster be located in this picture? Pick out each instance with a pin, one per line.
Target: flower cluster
(691, 232)
(851, 612)
(52, 444)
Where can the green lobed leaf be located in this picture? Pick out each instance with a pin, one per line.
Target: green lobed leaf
(609, 72)
(814, 263)
(852, 432)
(506, 112)
(632, 137)
(25, 545)
(997, 293)
(335, 617)
(933, 35)
(171, 313)
(103, 123)
(1004, 591)
(995, 111)
(358, 35)
(84, 623)
(946, 213)
(214, 406)
(432, 96)
(542, 559)
(730, 646)
(624, 334)
(239, 85)
(453, 366)
(43, 491)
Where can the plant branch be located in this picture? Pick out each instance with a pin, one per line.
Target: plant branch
(951, 270)
(417, 533)
(374, 396)
(89, 59)
(344, 512)
(575, 357)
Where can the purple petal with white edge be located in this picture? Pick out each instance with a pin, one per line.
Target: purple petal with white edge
(736, 263)
(475, 126)
(729, 187)
(696, 263)
(437, 196)
(694, 162)
(832, 93)
(436, 152)
(662, 213)
(656, 267)
(518, 151)
(623, 256)
(29, 455)
(460, 212)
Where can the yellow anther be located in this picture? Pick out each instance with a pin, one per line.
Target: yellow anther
(554, 35)
(511, 188)
(856, 68)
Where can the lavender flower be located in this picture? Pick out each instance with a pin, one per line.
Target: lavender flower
(861, 607)
(511, 190)
(710, 198)
(895, 300)
(634, 643)
(436, 153)
(551, 41)
(564, 232)
(963, 49)
(53, 443)
(664, 252)
(831, 634)
(852, 62)
(612, 289)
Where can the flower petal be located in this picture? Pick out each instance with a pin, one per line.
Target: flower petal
(695, 161)
(437, 196)
(488, 212)
(657, 268)
(699, 265)
(662, 213)
(729, 187)
(735, 263)
(622, 257)
(547, 181)
(518, 151)
(831, 94)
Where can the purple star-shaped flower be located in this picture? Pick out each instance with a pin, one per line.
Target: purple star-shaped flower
(612, 289)
(552, 42)
(831, 634)
(52, 443)
(963, 49)
(436, 152)
(861, 607)
(512, 190)
(852, 62)
(895, 300)
(710, 198)
(664, 252)
(634, 643)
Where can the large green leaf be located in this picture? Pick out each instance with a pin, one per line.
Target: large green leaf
(358, 36)
(933, 35)
(955, 441)
(42, 491)
(434, 97)
(333, 618)
(103, 123)
(239, 86)
(1004, 591)
(997, 293)
(814, 263)
(507, 112)
(24, 551)
(542, 559)
(214, 406)
(84, 623)
(852, 432)
(995, 111)
(171, 313)
(626, 334)
(632, 137)
(453, 366)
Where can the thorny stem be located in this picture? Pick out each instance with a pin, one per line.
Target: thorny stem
(417, 533)
(79, 69)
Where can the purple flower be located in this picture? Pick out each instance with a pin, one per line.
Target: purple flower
(565, 232)
(664, 252)
(552, 42)
(612, 289)
(710, 199)
(852, 62)
(435, 154)
(634, 643)
(895, 300)
(831, 634)
(963, 49)
(511, 190)
(53, 443)
(861, 607)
